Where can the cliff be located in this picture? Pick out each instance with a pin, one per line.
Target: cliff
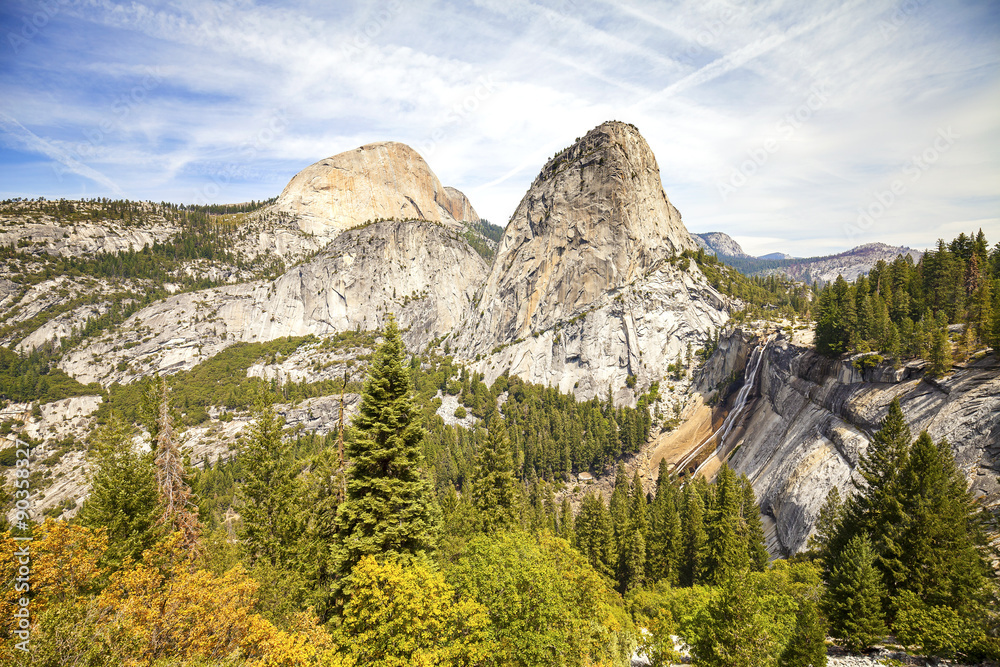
(585, 290)
(813, 417)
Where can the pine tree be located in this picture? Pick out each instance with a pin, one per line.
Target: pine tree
(695, 539)
(494, 487)
(390, 506)
(174, 491)
(940, 354)
(318, 499)
(994, 332)
(123, 494)
(566, 521)
(619, 506)
(828, 522)
(265, 498)
(939, 537)
(632, 560)
(639, 508)
(807, 645)
(854, 596)
(664, 543)
(876, 509)
(594, 535)
(735, 628)
(727, 545)
(753, 529)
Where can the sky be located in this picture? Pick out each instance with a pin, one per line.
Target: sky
(799, 127)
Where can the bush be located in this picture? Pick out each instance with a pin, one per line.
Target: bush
(935, 630)
(460, 412)
(736, 630)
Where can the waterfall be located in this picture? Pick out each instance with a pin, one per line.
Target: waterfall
(753, 366)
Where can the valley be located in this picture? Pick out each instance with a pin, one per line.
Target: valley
(625, 361)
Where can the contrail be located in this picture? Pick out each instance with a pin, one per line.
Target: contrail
(740, 57)
(35, 143)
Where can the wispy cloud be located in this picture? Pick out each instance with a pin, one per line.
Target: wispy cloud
(706, 82)
(19, 135)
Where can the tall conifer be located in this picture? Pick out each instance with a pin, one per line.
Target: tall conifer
(938, 541)
(854, 596)
(123, 494)
(267, 516)
(390, 506)
(494, 487)
(695, 539)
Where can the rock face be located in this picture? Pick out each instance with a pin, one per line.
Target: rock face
(386, 180)
(595, 219)
(423, 272)
(814, 417)
(718, 243)
(633, 332)
(581, 294)
(78, 239)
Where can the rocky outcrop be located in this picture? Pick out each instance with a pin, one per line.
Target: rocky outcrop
(423, 272)
(815, 416)
(82, 238)
(581, 294)
(718, 243)
(386, 180)
(636, 331)
(595, 219)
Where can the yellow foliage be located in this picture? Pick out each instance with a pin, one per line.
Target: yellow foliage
(157, 611)
(401, 615)
(165, 610)
(62, 564)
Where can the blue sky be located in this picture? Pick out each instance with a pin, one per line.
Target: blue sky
(800, 127)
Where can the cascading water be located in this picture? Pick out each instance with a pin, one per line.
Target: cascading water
(756, 359)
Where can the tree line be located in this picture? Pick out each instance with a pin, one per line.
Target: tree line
(904, 309)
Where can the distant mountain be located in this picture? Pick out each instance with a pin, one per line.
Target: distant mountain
(849, 264)
(719, 243)
(776, 255)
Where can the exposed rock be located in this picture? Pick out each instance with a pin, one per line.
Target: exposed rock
(447, 409)
(385, 180)
(580, 295)
(63, 419)
(718, 243)
(595, 219)
(776, 255)
(815, 417)
(83, 238)
(635, 331)
(423, 272)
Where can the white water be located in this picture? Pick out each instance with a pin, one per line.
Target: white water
(756, 359)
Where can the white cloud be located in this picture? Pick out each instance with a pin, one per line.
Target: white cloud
(708, 84)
